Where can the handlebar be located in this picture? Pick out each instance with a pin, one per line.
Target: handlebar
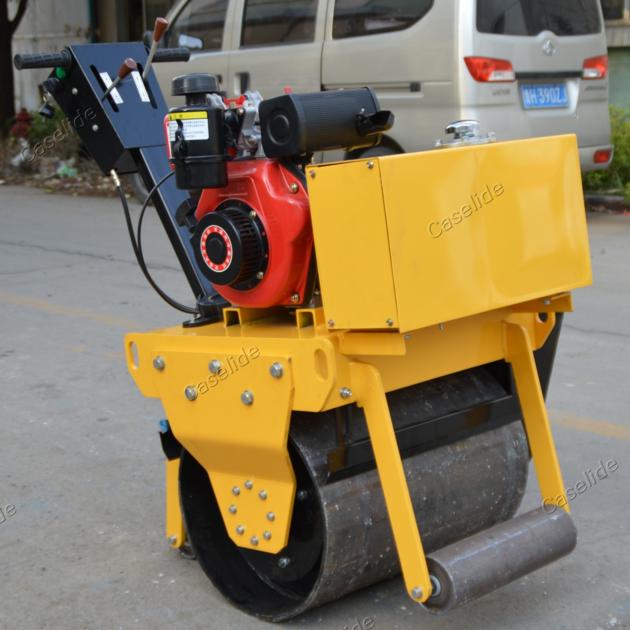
(61, 59)
(164, 55)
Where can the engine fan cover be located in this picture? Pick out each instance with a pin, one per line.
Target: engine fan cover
(231, 246)
(253, 238)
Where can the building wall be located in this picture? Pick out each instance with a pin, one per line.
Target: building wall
(50, 25)
(618, 37)
(47, 26)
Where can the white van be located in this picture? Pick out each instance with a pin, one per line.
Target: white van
(521, 67)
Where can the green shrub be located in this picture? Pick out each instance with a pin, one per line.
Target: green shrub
(617, 177)
(42, 127)
(43, 131)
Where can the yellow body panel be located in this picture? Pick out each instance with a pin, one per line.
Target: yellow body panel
(353, 259)
(468, 230)
(243, 447)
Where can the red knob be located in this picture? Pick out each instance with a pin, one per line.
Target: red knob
(128, 66)
(158, 30)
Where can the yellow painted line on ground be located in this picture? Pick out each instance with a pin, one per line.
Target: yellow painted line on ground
(68, 311)
(589, 425)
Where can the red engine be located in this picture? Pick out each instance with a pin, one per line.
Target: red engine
(253, 239)
(251, 231)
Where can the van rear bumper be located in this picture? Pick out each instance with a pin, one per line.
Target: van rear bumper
(587, 157)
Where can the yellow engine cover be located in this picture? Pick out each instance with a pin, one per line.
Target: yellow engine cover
(410, 241)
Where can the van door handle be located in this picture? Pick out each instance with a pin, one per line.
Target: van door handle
(241, 82)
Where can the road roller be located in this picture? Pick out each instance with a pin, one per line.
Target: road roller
(359, 383)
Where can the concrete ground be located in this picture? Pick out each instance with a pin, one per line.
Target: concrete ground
(83, 546)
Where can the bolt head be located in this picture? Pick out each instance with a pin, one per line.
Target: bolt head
(295, 298)
(345, 393)
(254, 540)
(313, 174)
(271, 516)
(74, 91)
(284, 562)
(302, 495)
(276, 370)
(191, 393)
(94, 128)
(416, 592)
(267, 535)
(240, 530)
(294, 188)
(331, 323)
(247, 398)
(232, 509)
(263, 495)
(253, 214)
(260, 275)
(159, 363)
(390, 322)
(172, 540)
(236, 491)
(249, 484)
(370, 164)
(214, 366)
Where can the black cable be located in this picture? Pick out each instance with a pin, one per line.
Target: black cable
(137, 248)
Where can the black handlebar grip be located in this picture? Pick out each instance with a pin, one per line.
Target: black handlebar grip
(61, 59)
(164, 55)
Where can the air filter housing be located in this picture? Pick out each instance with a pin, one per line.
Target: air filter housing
(300, 124)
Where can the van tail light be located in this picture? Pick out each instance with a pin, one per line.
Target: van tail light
(602, 156)
(486, 70)
(595, 68)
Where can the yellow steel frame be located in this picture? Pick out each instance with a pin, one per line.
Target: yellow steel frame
(448, 277)
(175, 530)
(286, 364)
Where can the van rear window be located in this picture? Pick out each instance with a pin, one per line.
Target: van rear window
(530, 17)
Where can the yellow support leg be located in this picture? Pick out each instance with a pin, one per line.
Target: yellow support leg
(175, 532)
(370, 395)
(519, 354)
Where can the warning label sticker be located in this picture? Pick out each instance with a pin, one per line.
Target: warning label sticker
(115, 94)
(192, 129)
(142, 90)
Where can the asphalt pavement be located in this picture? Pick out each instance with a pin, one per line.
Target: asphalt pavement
(81, 469)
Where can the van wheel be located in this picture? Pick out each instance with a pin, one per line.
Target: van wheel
(140, 191)
(378, 151)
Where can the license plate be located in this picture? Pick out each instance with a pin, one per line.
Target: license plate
(544, 95)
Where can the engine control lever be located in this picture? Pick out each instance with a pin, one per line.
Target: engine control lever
(127, 67)
(158, 32)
